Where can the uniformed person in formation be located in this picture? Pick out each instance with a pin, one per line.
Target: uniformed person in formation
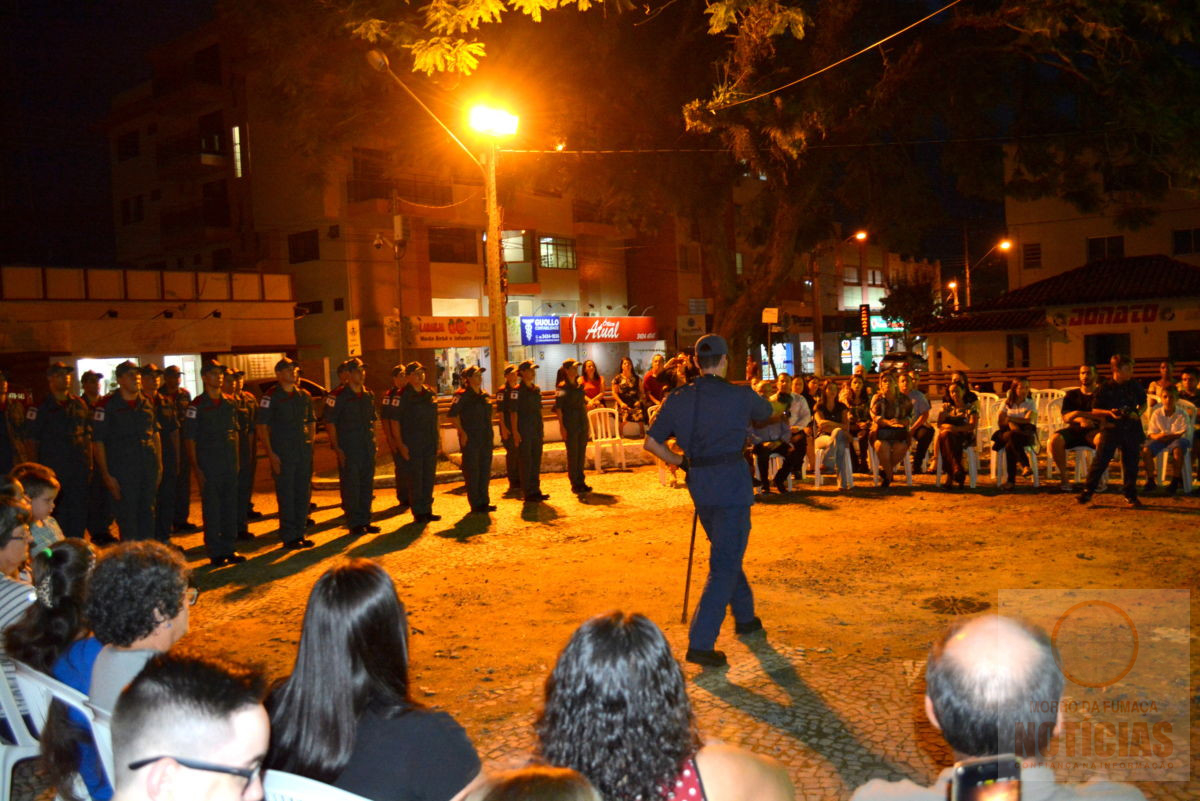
(525, 421)
(512, 462)
(709, 419)
(287, 426)
(59, 435)
(389, 413)
(247, 406)
(99, 503)
(12, 419)
(570, 407)
(180, 398)
(129, 453)
(168, 431)
(350, 418)
(418, 421)
(210, 432)
(471, 413)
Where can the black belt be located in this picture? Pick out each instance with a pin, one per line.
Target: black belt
(713, 461)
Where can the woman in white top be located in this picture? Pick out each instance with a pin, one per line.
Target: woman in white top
(1016, 430)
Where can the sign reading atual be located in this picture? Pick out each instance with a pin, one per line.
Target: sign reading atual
(1115, 315)
(607, 329)
(447, 332)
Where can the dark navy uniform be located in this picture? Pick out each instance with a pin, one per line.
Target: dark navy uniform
(1125, 434)
(474, 412)
(290, 420)
(709, 420)
(99, 503)
(390, 412)
(526, 403)
(571, 403)
(512, 462)
(211, 424)
(63, 433)
(247, 406)
(182, 503)
(168, 487)
(419, 432)
(128, 430)
(12, 415)
(353, 414)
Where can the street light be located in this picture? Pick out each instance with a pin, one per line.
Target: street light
(953, 287)
(494, 123)
(1004, 245)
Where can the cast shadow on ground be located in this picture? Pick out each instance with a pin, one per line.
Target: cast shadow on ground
(598, 499)
(803, 497)
(271, 565)
(807, 718)
(538, 512)
(389, 541)
(468, 526)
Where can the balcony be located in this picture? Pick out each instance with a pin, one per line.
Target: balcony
(379, 192)
(197, 223)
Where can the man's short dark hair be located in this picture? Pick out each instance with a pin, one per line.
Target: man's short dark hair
(1121, 360)
(983, 711)
(1190, 370)
(708, 361)
(171, 700)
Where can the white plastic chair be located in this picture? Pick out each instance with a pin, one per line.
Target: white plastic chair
(26, 742)
(281, 786)
(1083, 462)
(604, 428)
(775, 464)
(972, 454)
(1049, 420)
(39, 689)
(846, 467)
(1000, 461)
(873, 466)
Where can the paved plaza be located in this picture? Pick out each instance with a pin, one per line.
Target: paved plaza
(852, 589)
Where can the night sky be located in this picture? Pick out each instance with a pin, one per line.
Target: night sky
(64, 60)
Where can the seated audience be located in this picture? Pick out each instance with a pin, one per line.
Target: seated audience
(190, 729)
(617, 710)
(345, 716)
(654, 383)
(1189, 386)
(960, 377)
(984, 678)
(593, 385)
(800, 419)
(813, 391)
(956, 432)
(15, 595)
(1169, 431)
(857, 399)
(920, 431)
(538, 783)
(1166, 378)
(1082, 426)
(627, 394)
(41, 488)
(832, 422)
(783, 388)
(1016, 429)
(771, 439)
(891, 413)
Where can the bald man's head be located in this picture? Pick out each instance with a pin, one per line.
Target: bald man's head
(994, 686)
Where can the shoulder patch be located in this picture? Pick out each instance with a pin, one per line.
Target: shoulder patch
(98, 415)
(31, 414)
(514, 394)
(330, 400)
(265, 402)
(191, 412)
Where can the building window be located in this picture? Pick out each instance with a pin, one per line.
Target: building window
(311, 306)
(235, 141)
(128, 146)
(132, 210)
(1105, 247)
(689, 258)
(455, 245)
(516, 253)
(850, 275)
(304, 246)
(556, 252)
(1016, 349)
(1185, 241)
(1099, 348)
(1183, 345)
(215, 204)
(339, 304)
(1031, 255)
(738, 263)
(875, 277)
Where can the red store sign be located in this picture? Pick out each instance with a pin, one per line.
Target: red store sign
(1114, 315)
(607, 329)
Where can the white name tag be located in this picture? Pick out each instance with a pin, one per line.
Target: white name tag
(99, 415)
(265, 403)
(191, 412)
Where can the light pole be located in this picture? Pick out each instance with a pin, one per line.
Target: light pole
(494, 123)
(1003, 245)
(953, 287)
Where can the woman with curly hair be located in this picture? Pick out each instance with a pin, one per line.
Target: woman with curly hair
(49, 627)
(345, 716)
(617, 711)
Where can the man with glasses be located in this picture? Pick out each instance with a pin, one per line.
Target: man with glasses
(190, 728)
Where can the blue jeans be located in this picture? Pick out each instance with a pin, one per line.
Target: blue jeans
(728, 532)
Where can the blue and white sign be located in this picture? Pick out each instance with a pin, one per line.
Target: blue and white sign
(540, 331)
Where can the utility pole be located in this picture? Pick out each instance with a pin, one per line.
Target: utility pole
(497, 299)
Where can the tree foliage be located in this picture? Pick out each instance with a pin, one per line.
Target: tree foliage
(912, 304)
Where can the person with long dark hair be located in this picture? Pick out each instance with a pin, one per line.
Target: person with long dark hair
(616, 710)
(593, 384)
(345, 716)
(52, 624)
(1016, 430)
(627, 393)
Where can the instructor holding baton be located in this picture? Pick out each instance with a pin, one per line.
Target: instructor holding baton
(709, 419)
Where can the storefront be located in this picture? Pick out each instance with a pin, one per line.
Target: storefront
(456, 342)
(550, 340)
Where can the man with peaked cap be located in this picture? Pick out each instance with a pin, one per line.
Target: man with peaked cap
(246, 405)
(529, 432)
(471, 413)
(168, 431)
(175, 393)
(389, 413)
(287, 427)
(512, 462)
(128, 453)
(350, 420)
(570, 407)
(58, 434)
(418, 441)
(99, 502)
(709, 419)
(210, 430)
(12, 418)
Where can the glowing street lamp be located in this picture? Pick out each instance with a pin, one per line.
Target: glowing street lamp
(1004, 245)
(492, 121)
(861, 236)
(953, 287)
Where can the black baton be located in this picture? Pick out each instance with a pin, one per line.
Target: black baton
(687, 585)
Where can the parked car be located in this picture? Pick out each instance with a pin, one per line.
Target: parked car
(904, 361)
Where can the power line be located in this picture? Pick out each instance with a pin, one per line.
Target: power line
(837, 63)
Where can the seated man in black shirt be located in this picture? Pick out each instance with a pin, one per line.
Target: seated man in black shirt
(1121, 401)
(1082, 426)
